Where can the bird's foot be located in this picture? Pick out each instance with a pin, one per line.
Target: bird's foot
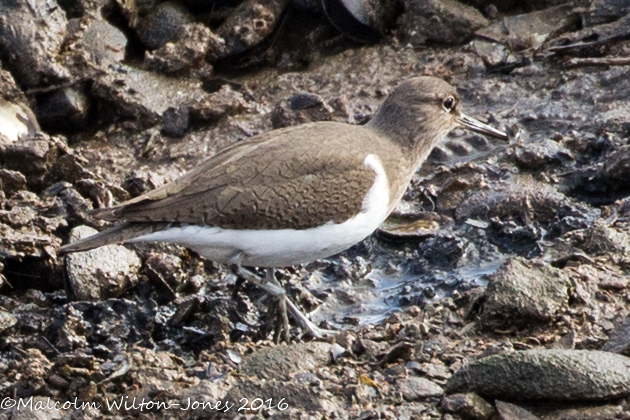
(272, 286)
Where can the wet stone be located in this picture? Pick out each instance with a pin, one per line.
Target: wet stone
(414, 388)
(535, 156)
(250, 23)
(509, 411)
(361, 20)
(469, 406)
(280, 362)
(554, 375)
(163, 24)
(440, 21)
(31, 59)
(16, 121)
(100, 273)
(524, 291)
(525, 200)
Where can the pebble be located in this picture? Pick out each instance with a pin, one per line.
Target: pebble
(100, 273)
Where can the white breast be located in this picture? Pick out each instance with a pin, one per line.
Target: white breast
(285, 247)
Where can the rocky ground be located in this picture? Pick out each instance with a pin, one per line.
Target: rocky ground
(497, 290)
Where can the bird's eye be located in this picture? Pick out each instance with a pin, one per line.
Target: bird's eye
(449, 104)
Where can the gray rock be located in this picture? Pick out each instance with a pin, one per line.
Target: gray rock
(143, 96)
(163, 24)
(11, 181)
(469, 406)
(619, 339)
(100, 273)
(33, 157)
(555, 375)
(605, 11)
(31, 59)
(530, 30)
(509, 411)
(280, 362)
(522, 292)
(440, 21)
(615, 173)
(96, 40)
(595, 412)
(301, 108)
(414, 388)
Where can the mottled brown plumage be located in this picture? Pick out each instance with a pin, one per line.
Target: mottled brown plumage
(297, 177)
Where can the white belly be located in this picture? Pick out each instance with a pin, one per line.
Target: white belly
(281, 248)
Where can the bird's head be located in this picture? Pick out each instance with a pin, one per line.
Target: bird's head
(421, 111)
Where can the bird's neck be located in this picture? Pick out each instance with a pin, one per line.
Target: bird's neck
(407, 130)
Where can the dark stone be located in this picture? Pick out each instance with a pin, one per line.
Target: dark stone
(31, 59)
(65, 109)
(176, 121)
(163, 24)
(554, 375)
(33, 157)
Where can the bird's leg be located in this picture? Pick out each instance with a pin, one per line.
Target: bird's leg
(273, 287)
(282, 308)
(297, 314)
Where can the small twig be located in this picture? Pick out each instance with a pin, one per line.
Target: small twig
(604, 61)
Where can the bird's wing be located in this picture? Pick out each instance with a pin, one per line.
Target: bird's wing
(274, 180)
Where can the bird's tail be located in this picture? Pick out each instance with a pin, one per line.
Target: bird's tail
(115, 235)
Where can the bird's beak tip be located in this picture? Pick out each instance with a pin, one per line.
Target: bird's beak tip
(477, 126)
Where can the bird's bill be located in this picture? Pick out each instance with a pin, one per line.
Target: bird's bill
(479, 127)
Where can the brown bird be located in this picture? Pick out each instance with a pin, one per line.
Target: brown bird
(295, 194)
